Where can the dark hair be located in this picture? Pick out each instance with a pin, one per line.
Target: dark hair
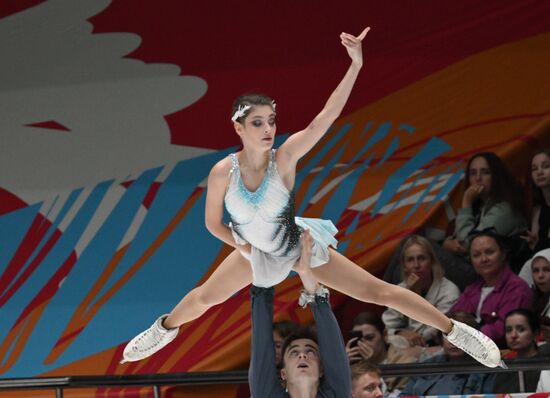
(532, 319)
(490, 233)
(358, 369)
(504, 186)
(252, 99)
(369, 318)
(301, 332)
(465, 317)
(285, 328)
(460, 316)
(536, 197)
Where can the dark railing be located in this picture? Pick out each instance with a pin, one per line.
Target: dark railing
(155, 381)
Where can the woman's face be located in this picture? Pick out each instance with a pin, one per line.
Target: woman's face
(258, 128)
(479, 173)
(417, 260)
(486, 256)
(540, 170)
(519, 335)
(541, 274)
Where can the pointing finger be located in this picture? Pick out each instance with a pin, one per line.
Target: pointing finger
(363, 33)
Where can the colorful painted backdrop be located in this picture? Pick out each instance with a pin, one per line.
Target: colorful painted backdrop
(112, 113)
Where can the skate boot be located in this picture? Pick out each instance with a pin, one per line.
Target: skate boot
(475, 344)
(149, 341)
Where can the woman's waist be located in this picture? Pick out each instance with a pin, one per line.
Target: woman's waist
(269, 237)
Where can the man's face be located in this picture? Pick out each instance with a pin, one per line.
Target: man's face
(368, 385)
(301, 360)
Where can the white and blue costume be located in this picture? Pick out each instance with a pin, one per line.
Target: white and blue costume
(265, 219)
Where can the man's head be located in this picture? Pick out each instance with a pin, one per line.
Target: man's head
(366, 381)
(374, 332)
(301, 359)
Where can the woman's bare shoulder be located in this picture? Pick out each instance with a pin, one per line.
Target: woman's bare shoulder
(221, 170)
(283, 162)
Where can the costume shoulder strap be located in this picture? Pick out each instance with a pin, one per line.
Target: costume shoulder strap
(272, 158)
(234, 162)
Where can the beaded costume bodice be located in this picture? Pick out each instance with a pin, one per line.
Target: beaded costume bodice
(265, 217)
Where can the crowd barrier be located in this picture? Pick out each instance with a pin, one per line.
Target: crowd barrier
(155, 381)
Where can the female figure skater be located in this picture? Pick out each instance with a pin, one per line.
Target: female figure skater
(256, 184)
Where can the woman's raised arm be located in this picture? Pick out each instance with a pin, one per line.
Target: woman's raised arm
(301, 142)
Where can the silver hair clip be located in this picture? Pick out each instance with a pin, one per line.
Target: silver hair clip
(273, 105)
(240, 112)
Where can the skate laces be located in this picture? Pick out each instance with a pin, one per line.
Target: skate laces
(154, 336)
(476, 344)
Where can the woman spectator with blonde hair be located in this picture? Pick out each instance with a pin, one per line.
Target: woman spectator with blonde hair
(423, 274)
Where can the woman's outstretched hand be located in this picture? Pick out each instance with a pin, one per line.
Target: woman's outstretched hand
(353, 45)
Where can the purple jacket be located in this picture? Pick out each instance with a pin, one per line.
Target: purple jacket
(510, 293)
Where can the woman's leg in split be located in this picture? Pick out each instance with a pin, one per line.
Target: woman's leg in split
(347, 277)
(233, 274)
(230, 276)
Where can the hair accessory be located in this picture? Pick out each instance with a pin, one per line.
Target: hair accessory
(241, 110)
(321, 293)
(273, 105)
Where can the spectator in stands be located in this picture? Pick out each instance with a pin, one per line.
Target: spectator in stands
(497, 292)
(281, 330)
(423, 274)
(538, 237)
(492, 199)
(540, 266)
(450, 384)
(373, 347)
(522, 327)
(366, 381)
